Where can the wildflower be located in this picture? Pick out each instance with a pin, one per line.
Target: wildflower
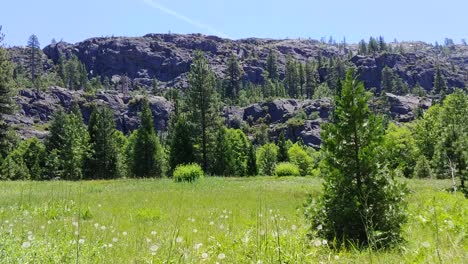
(115, 239)
(30, 237)
(110, 245)
(153, 233)
(26, 244)
(319, 227)
(103, 228)
(317, 243)
(49, 222)
(179, 239)
(211, 223)
(81, 241)
(425, 244)
(204, 255)
(336, 257)
(324, 242)
(294, 227)
(96, 225)
(124, 233)
(197, 246)
(154, 248)
(221, 256)
(148, 240)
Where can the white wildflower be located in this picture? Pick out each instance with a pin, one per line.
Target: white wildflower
(319, 227)
(425, 244)
(115, 239)
(179, 239)
(153, 233)
(324, 242)
(294, 227)
(26, 244)
(317, 243)
(197, 246)
(336, 257)
(154, 248)
(124, 233)
(204, 255)
(81, 241)
(221, 256)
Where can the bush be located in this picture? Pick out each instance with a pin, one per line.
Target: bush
(422, 168)
(286, 169)
(188, 173)
(300, 158)
(266, 158)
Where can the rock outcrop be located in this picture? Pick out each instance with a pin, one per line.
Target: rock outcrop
(167, 58)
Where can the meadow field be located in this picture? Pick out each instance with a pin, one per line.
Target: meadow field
(215, 220)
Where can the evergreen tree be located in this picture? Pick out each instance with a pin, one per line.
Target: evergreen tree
(272, 66)
(181, 144)
(387, 80)
(382, 44)
(34, 57)
(201, 103)
(301, 78)
(147, 151)
(373, 46)
(234, 75)
(440, 85)
(291, 81)
(362, 50)
(6, 93)
(360, 205)
(34, 157)
(103, 160)
(312, 79)
(252, 162)
(282, 148)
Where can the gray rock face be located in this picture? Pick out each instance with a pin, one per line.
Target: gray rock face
(279, 115)
(167, 57)
(35, 110)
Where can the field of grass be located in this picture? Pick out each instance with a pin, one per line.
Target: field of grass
(224, 220)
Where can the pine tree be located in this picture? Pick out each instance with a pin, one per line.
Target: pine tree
(440, 85)
(387, 80)
(291, 81)
(360, 205)
(234, 75)
(6, 93)
(282, 148)
(34, 57)
(201, 102)
(382, 44)
(103, 160)
(373, 46)
(181, 144)
(362, 50)
(272, 66)
(312, 79)
(147, 151)
(301, 78)
(252, 162)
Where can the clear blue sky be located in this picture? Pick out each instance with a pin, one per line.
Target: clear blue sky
(77, 20)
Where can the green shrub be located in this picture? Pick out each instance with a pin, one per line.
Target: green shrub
(299, 157)
(422, 168)
(266, 158)
(286, 169)
(188, 173)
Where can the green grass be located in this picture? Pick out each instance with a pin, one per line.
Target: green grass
(248, 220)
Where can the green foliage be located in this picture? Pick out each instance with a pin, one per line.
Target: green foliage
(73, 73)
(400, 149)
(6, 94)
(322, 91)
(361, 204)
(440, 84)
(282, 148)
(69, 138)
(252, 169)
(234, 78)
(188, 173)
(232, 153)
(181, 145)
(266, 158)
(34, 156)
(147, 153)
(286, 169)
(299, 157)
(13, 167)
(422, 168)
(103, 160)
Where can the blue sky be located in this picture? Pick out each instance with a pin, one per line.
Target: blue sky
(77, 20)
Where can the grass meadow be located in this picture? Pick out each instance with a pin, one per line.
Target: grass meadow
(215, 220)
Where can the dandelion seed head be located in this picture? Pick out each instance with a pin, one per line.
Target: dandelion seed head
(204, 255)
(81, 241)
(154, 248)
(153, 233)
(324, 242)
(319, 227)
(317, 243)
(197, 246)
(211, 223)
(195, 230)
(294, 227)
(26, 244)
(179, 239)
(124, 233)
(337, 257)
(425, 244)
(115, 239)
(221, 256)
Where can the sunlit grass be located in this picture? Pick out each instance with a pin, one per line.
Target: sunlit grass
(225, 220)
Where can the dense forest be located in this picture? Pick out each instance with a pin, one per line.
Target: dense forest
(363, 147)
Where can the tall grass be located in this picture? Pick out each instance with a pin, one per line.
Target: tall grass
(225, 220)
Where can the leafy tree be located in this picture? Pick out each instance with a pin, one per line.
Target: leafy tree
(422, 168)
(6, 93)
(234, 75)
(147, 151)
(426, 131)
(267, 158)
(201, 103)
(103, 159)
(360, 205)
(34, 57)
(299, 157)
(400, 149)
(181, 144)
(13, 167)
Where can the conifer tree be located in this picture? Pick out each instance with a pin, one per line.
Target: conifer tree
(252, 162)
(272, 66)
(440, 84)
(34, 58)
(282, 148)
(181, 144)
(147, 152)
(387, 80)
(312, 79)
(234, 75)
(103, 160)
(6, 93)
(202, 104)
(361, 204)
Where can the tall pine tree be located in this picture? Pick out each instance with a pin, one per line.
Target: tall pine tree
(6, 93)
